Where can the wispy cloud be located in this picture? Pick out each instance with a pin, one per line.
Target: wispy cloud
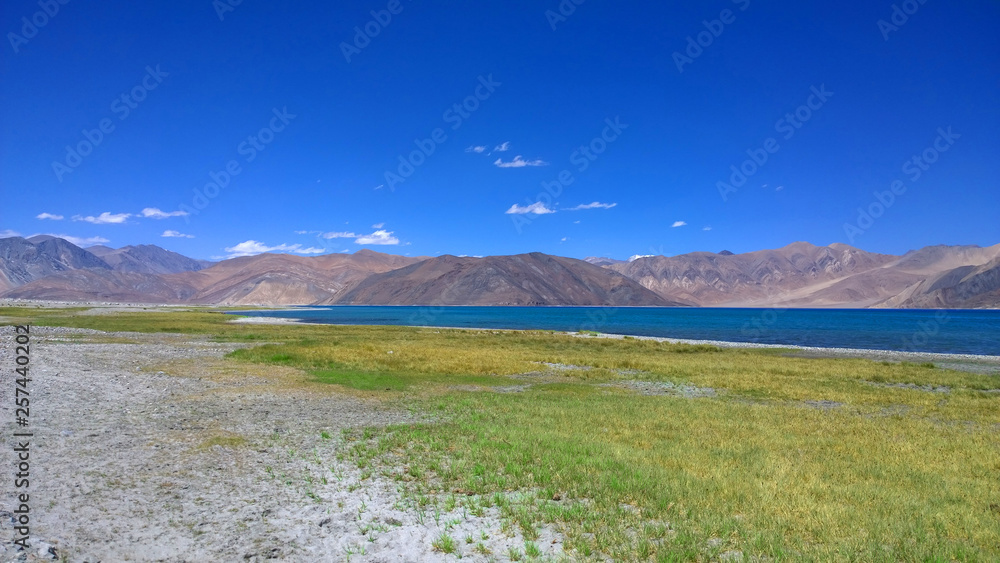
(476, 149)
(6, 233)
(175, 234)
(155, 213)
(79, 241)
(51, 216)
(379, 187)
(594, 205)
(519, 162)
(779, 188)
(378, 237)
(253, 248)
(707, 229)
(105, 218)
(502, 147)
(537, 208)
(635, 257)
(341, 234)
(678, 224)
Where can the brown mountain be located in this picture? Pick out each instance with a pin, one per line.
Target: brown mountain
(804, 275)
(524, 279)
(749, 279)
(282, 279)
(962, 287)
(798, 275)
(95, 284)
(145, 259)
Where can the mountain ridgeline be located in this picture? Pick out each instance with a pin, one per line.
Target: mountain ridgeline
(797, 275)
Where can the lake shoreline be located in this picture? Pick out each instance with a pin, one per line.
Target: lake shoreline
(802, 351)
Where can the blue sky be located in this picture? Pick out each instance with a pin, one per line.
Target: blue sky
(634, 127)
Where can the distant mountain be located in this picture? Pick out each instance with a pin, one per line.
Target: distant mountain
(145, 259)
(958, 288)
(798, 275)
(753, 278)
(25, 260)
(524, 279)
(282, 279)
(95, 284)
(801, 275)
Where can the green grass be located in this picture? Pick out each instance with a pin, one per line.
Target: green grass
(877, 473)
(444, 543)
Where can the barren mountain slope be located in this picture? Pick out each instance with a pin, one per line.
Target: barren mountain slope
(282, 279)
(524, 279)
(23, 260)
(760, 277)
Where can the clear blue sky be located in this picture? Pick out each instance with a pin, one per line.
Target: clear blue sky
(198, 86)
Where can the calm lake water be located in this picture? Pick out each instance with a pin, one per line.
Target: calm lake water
(945, 331)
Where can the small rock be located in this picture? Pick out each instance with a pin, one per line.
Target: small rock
(732, 555)
(714, 542)
(325, 521)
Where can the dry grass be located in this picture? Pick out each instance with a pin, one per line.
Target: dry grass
(794, 458)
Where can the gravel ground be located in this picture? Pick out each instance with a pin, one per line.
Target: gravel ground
(156, 448)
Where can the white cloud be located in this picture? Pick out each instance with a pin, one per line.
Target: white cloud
(503, 147)
(519, 162)
(576, 222)
(89, 241)
(301, 232)
(564, 239)
(104, 218)
(537, 208)
(635, 257)
(378, 237)
(378, 225)
(707, 229)
(52, 216)
(175, 234)
(380, 186)
(779, 188)
(477, 149)
(157, 214)
(6, 233)
(678, 224)
(253, 248)
(594, 205)
(343, 234)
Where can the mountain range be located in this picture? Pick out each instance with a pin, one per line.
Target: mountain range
(797, 275)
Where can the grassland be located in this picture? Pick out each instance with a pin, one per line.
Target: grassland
(788, 458)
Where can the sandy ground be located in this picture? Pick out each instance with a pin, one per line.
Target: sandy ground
(155, 448)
